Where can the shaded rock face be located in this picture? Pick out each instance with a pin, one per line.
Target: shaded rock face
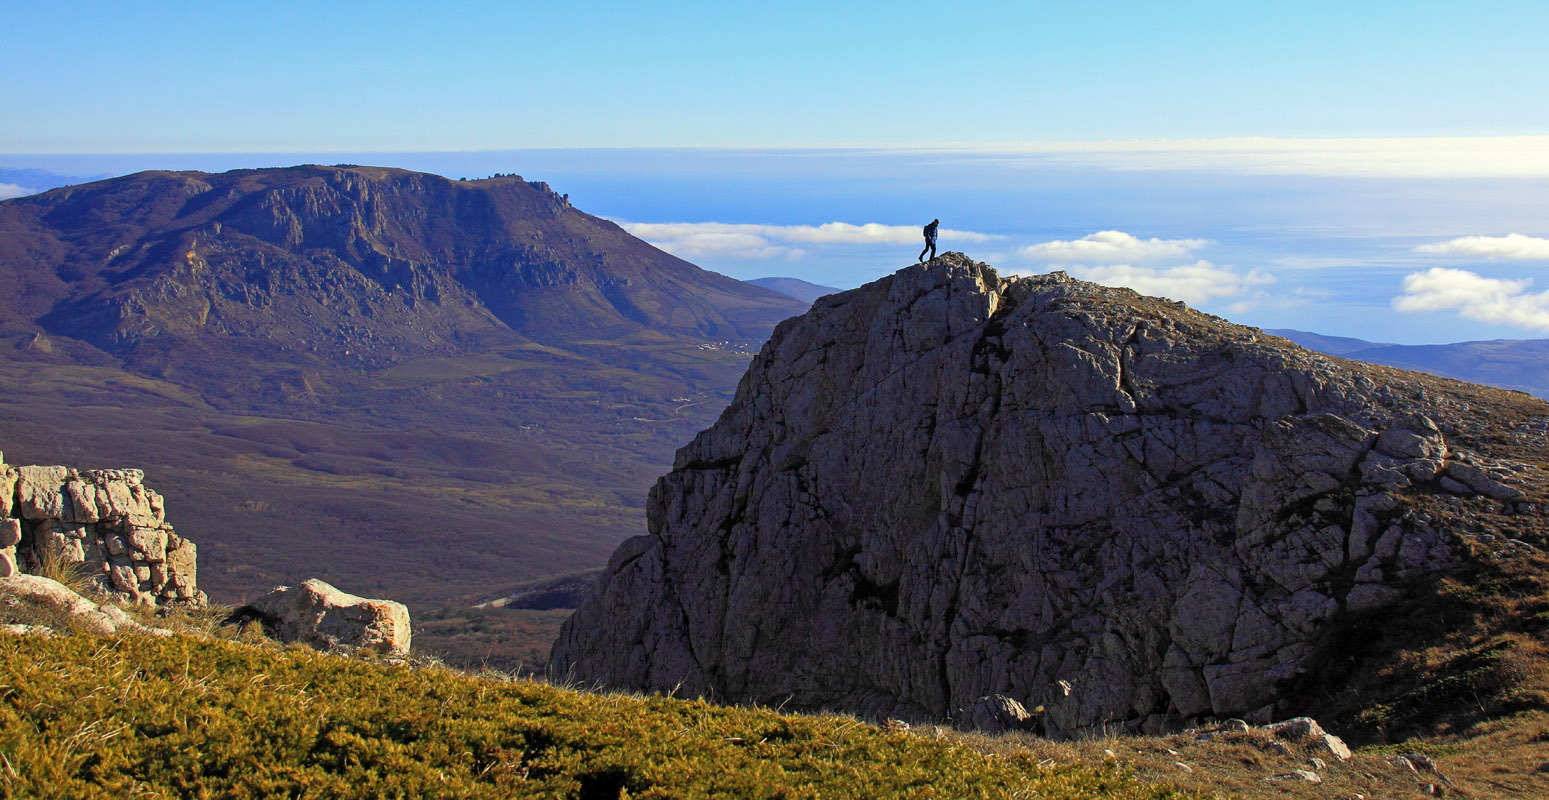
(317, 614)
(947, 485)
(105, 520)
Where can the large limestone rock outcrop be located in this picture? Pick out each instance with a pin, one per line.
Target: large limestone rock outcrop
(947, 485)
(317, 614)
(106, 521)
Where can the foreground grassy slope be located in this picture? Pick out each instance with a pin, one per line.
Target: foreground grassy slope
(86, 717)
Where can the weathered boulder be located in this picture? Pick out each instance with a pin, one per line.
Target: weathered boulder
(317, 614)
(946, 485)
(1306, 730)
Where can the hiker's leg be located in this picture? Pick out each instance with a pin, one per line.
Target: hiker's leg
(923, 249)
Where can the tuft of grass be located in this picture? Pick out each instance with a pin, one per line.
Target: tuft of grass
(83, 717)
(52, 562)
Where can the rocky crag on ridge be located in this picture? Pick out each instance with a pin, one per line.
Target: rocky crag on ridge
(106, 520)
(947, 485)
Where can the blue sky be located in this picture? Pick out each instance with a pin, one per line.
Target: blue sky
(286, 76)
(1350, 168)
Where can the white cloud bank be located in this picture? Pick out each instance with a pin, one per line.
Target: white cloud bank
(1475, 297)
(1195, 283)
(1393, 157)
(10, 190)
(1111, 247)
(728, 240)
(1513, 247)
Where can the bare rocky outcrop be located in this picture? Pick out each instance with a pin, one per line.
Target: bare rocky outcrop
(105, 521)
(948, 485)
(317, 614)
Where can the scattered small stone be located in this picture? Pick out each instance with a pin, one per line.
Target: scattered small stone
(1183, 766)
(1297, 775)
(1335, 746)
(1317, 763)
(1303, 729)
(1422, 764)
(894, 726)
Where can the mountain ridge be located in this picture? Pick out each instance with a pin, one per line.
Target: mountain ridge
(805, 291)
(165, 255)
(1518, 364)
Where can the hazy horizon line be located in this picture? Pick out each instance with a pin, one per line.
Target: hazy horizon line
(1504, 156)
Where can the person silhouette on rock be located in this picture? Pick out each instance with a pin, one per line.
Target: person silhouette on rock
(930, 240)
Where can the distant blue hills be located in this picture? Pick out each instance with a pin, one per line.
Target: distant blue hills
(33, 181)
(1520, 364)
(795, 287)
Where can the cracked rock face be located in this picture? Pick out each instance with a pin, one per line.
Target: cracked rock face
(947, 485)
(107, 521)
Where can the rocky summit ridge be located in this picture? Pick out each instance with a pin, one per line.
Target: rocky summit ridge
(948, 484)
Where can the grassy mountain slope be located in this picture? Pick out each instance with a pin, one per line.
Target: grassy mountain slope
(196, 717)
